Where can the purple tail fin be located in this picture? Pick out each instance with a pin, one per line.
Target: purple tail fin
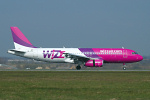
(19, 39)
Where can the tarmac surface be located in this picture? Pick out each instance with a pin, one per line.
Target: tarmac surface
(69, 70)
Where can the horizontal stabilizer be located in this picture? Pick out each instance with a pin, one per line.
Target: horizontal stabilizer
(16, 52)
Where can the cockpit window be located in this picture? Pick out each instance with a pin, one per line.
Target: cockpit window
(134, 53)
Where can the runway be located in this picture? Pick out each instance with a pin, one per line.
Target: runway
(75, 70)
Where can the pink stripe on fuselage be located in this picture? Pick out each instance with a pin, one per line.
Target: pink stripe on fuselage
(110, 54)
(20, 34)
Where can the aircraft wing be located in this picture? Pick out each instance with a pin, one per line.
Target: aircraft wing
(77, 58)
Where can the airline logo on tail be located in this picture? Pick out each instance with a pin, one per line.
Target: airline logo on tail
(20, 39)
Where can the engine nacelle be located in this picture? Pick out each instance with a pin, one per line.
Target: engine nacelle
(94, 63)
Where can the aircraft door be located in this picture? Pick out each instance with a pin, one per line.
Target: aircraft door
(125, 54)
(35, 53)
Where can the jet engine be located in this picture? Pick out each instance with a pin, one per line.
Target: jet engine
(94, 63)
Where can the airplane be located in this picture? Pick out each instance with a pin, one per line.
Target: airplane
(89, 57)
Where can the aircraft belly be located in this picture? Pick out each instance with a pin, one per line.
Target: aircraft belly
(56, 60)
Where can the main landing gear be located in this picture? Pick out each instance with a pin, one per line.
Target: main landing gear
(124, 66)
(78, 67)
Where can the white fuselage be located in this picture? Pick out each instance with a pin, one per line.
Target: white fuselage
(54, 55)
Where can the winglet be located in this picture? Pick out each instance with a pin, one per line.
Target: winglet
(20, 40)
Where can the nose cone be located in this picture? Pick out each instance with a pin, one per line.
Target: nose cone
(140, 58)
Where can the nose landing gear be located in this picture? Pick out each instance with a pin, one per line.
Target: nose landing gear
(124, 66)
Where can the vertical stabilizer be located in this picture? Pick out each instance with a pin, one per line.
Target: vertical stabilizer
(20, 41)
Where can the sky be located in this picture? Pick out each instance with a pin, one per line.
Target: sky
(77, 24)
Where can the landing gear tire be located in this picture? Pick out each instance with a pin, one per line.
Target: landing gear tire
(124, 68)
(78, 67)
